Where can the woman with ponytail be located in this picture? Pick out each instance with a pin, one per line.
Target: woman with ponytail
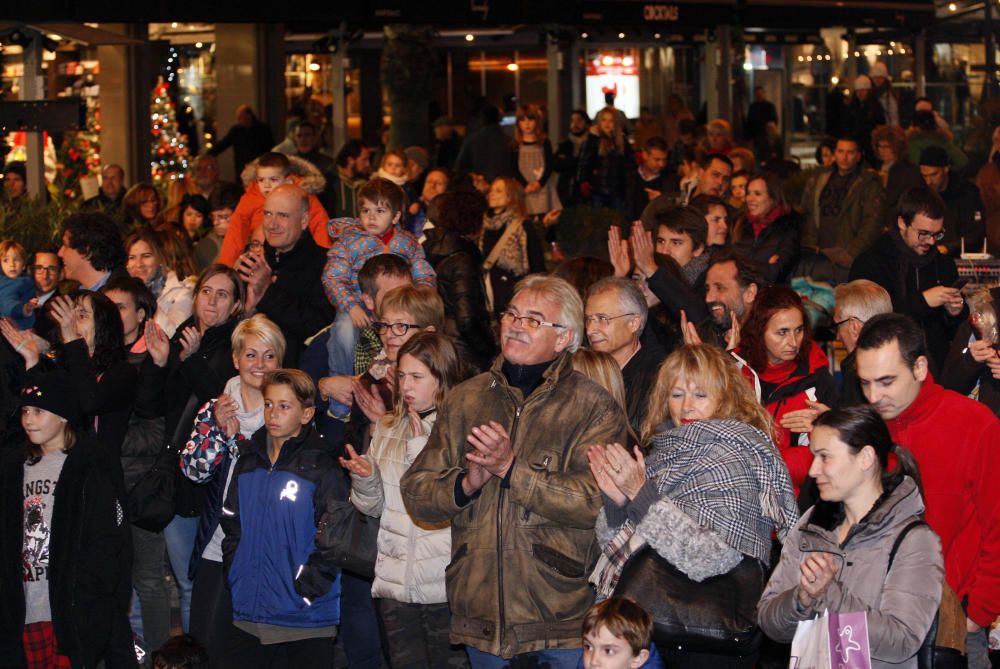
(864, 546)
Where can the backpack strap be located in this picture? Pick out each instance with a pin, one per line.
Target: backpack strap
(899, 539)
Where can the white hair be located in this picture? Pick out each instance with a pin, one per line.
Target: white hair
(562, 293)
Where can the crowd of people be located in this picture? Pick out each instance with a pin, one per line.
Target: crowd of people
(378, 409)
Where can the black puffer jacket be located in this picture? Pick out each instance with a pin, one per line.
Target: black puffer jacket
(780, 240)
(458, 264)
(90, 559)
(145, 434)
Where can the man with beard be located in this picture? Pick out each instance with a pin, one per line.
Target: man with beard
(567, 154)
(920, 280)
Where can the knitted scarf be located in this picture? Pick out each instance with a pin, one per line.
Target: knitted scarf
(514, 256)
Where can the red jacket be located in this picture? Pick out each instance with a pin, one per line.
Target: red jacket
(783, 389)
(954, 441)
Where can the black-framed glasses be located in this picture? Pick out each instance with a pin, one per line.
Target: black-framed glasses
(604, 320)
(836, 325)
(398, 329)
(927, 234)
(529, 322)
(48, 269)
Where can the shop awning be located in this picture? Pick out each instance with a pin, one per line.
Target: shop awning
(811, 14)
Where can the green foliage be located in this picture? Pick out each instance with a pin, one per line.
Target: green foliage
(33, 223)
(582, 231)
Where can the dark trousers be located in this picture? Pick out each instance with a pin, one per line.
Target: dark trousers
(247, 652)
(212, 611)
(417, 635)
(359, 631)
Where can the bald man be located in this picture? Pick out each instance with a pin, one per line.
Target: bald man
(285, 283)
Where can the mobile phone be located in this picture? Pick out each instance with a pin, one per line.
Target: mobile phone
(961, 282)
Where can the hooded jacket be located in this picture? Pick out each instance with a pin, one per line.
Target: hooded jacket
(954, 441)
(785, 388)
(412, 556)
(90, 559)
(250, 211)
(906, 275)
(901, 601)
(277, 573)
(523, 547)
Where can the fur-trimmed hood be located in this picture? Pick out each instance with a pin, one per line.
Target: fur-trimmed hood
(305, 175)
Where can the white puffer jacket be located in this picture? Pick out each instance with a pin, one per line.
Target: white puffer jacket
(411, 558)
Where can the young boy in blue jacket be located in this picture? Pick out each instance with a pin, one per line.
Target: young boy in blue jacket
(285, 587)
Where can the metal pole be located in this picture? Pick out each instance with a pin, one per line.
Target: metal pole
(555, 112)
(33, 88)
(337, 73)
(723, 39)
(920, 63)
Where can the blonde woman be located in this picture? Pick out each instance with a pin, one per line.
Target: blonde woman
(512, 249)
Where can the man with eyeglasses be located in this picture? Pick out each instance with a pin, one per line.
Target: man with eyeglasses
(506, 464)
(919, 279)
(964, 214)
(46, 271)
(615, 316)
(856, 302)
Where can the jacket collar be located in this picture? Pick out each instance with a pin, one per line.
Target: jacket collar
(258, 443)
(562, 365)
(894, 506)
(275, 257)
(922, 408)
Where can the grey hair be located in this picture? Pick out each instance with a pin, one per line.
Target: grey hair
(565, 295)
(629, 295)
(862, 299)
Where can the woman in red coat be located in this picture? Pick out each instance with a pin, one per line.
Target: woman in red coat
(795, 380)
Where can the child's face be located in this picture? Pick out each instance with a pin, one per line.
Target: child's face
(12, 264)
(603, 650)
(395, 166)
(417, 384)
(269, 178)
(284, 415)
(377, 218)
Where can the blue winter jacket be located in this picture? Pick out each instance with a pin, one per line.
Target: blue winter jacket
(277, 573)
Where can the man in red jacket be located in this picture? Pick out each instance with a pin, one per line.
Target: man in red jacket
(952, 439)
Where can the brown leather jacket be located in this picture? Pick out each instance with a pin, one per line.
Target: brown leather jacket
(521, 554)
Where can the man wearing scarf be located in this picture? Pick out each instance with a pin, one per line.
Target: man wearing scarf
(920, 280)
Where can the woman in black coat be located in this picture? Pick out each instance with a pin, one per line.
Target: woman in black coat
(193, 368)
(458, 264)
(769, 232)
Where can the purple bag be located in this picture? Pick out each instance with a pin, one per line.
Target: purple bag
(832, 641)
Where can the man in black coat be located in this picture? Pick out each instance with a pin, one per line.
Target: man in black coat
(920, 280)
(486, 153)
(285, 284)
(964, 215)
(249, 138)
(650, 179)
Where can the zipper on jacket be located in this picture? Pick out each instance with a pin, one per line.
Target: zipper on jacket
(503, 612)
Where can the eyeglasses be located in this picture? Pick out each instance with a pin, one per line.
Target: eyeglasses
(398, 329)
(927, 234)
(603, 320)
(528, 322)
(48, 269)
(836, 325)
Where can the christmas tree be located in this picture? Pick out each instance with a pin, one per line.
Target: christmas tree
(79, 155)
(170, 154)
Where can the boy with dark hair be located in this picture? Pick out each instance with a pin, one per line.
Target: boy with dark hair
(261, 177)
(377, 231)
(617, 634)
(681, 233)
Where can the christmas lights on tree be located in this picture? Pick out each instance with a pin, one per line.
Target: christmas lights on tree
(170, 154)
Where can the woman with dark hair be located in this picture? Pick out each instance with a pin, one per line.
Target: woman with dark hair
(165, 266)
(791, 369)
(194, 216)
(864, 546)
(452, 252)
(92, 353)
(142, 205)
(191, 368)
(769, 232)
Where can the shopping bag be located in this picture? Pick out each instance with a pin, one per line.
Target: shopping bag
(832, 641)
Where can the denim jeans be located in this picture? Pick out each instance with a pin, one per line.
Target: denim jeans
(359, 630)
(147, 579)
(553, 659)
(340, 355)
(180, 535)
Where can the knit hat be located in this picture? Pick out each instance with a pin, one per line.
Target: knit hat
(17, 167)
(418, 154)
(52, 391)
(862, 83)
(934, 156)
(879, 70)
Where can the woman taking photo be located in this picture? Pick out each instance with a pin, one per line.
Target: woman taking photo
(193, 368)
(795, 381)
(220, 427)
(672, 499)
(409, 586)
(169, 276)
(837, 558)
(65, 573)
(511, 248)
(769, 231)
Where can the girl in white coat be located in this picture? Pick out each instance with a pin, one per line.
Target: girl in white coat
(409, 586)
